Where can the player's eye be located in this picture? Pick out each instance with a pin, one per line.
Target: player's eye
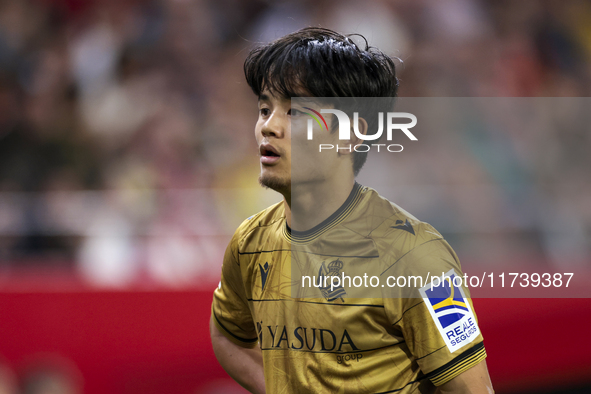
(264, 111)
(295, 112)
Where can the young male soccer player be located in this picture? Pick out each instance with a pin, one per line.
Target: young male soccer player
(333, 342)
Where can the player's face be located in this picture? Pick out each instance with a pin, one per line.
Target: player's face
(287, 156)
(273, 134)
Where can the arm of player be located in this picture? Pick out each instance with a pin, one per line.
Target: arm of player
(472, 381)
(244, 365)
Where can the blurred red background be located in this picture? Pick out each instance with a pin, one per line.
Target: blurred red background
(153, 342)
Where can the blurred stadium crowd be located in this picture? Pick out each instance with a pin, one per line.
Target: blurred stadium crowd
(126, 129)
(42, 374)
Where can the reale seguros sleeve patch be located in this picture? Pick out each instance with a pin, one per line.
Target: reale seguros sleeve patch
(450, 310)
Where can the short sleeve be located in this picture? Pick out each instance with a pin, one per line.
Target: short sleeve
(438, 322)
(230, 310)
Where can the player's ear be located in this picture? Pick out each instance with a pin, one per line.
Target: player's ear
(361, 129)
(354, 140)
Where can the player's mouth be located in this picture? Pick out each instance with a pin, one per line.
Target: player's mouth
(269, 155)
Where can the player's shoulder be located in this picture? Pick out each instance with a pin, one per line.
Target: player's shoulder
(392, 222)
(406, 243)
(261, 220)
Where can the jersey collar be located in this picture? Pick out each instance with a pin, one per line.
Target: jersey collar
(337, 217)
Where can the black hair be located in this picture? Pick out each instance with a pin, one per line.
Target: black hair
(319, 62)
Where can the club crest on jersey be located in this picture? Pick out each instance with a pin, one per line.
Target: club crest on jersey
(264, 272)
(324, 277)
(450, 310)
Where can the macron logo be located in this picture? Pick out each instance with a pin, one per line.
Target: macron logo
(406, 226)
(264, 273)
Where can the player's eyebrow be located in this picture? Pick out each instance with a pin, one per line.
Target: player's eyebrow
(264, 97)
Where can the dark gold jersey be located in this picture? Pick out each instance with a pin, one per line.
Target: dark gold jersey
(381, 336)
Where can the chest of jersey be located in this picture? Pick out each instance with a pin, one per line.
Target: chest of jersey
(296, 306)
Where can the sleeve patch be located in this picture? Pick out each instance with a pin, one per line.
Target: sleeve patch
(450, 310)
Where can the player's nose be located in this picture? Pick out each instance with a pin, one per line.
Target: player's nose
(275, 126)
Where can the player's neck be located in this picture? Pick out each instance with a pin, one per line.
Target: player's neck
(312, 203)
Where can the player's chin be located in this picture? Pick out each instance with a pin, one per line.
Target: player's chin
(275, 182)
